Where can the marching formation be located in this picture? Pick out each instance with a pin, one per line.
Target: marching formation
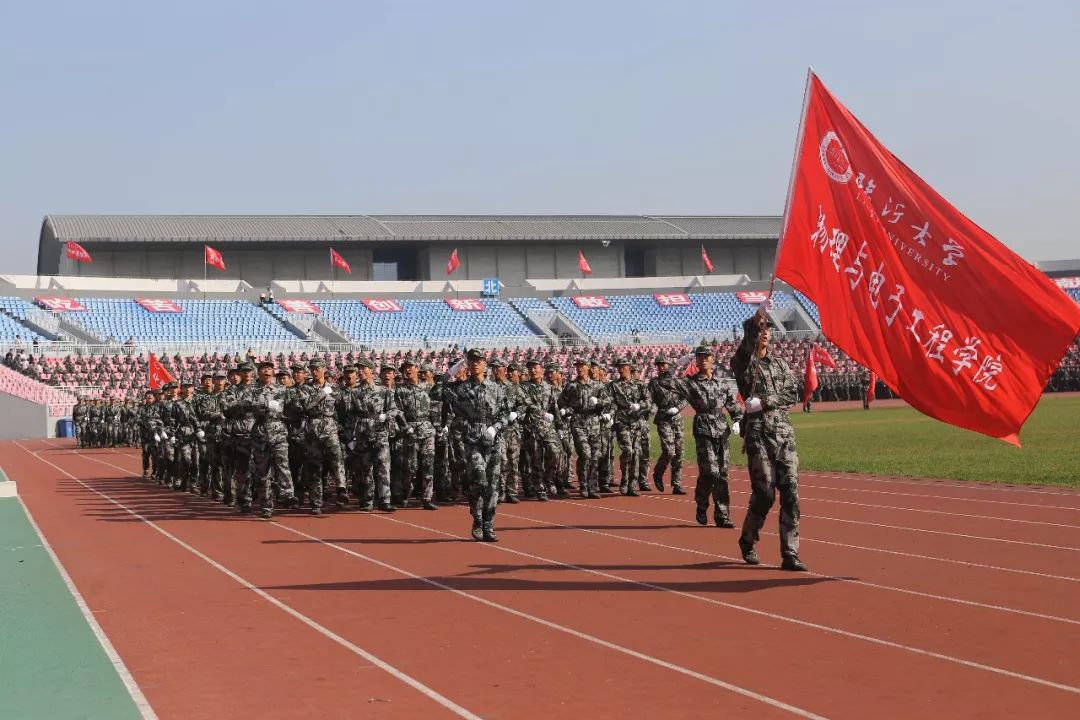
(487, 431)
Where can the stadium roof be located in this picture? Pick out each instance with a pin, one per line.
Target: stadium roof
(291, 228)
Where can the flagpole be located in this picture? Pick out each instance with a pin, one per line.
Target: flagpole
(204, 273)
(333, 274)
(791, 177)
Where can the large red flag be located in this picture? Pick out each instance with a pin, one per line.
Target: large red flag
(157, 373)
(213, 257)
(961, 327)
(873, 386)
(77, 252)
(705, 260)
(583, 264)
(816, 355)
(338, 261)
(453, 263)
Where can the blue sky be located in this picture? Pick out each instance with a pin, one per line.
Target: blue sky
(478, 106)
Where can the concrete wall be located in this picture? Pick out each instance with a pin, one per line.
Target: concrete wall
(23, 420)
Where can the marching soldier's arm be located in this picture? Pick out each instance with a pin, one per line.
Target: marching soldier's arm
(785, 395)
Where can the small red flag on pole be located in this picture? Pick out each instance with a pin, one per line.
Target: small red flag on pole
(213, 257)
(705, 260)
(157, 373)
(453, 263)
(77, 252)
(337, 261)
(583, 264)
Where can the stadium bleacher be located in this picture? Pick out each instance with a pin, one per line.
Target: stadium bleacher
(12, 310)
(810, 307)
(118, 320)
(15, 383)
(433, 320)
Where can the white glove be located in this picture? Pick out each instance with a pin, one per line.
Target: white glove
(274, 405)
(164, 436)
(549, 417)
(766, 306)
(606, 416)
(200, 434)
(593, 401)
(490, 433)
(736, 429)
(753, 405)
(327, 390)
(352, 444)
(635, 406)
(513, 416)
(446, 428)
(382, 417)
(673, 411)
(157, 438)
(410, 431)
(562, 412)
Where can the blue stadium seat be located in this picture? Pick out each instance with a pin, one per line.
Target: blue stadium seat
(13, 309)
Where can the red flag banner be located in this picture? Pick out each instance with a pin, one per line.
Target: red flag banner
(961, 327)
(159, 305)
(810, 380)
(213, 257)
(870, 390)
(77, 252)
(60, 304)
(375, 305)
(453, 263)
(583, 264)
(591, 302)
(337, 261)
(705, 260)
(822, 356)
(157, 373)
(470, 304)
(302, 307)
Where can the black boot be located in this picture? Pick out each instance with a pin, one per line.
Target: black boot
(489, 533)
(477, 530)
(792, 562)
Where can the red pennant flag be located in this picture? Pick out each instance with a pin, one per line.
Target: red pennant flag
(822, 356)
(583, 264)
(705, 260)
(453, 263)
(870, 390)
(213, 257)
(157, 373)
(810, 379)
(338, 261)
(961, 327)
(77, 252)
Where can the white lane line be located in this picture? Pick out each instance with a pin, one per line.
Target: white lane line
(930, 482)
(518, 613)
(742, 608)
(856, 547)
(853, 581)
(121, 669)
(896, 527)
(948, 498)
(322, 630)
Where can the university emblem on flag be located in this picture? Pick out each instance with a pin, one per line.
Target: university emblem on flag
(833, 158)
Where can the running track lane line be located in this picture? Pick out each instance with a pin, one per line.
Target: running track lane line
(713, 601)
(931, 482)
(950, 498)
(897, 527)
(864, 583)
(965, 563)
(779, 704)
(326, 632)
(133, 688)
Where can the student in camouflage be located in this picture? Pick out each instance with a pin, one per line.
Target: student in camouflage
(580, 402)
(541, 446)
(376, 413)
(605, 463)
(769, 388)
(563, 480)
(483, 411)
(238, 424)
(322, 449)
(508, 377)
(146, 418)
(630, 405)
(666, 392)
(413, 402)
(710, 398)
(294, 422)
(265, 400)
(186, 449)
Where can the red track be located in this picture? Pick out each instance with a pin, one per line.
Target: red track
(928, 599)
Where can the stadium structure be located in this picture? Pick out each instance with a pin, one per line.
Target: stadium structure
(86, 328)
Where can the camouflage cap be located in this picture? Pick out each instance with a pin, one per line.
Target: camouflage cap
(265, 364)
(661, 359)
(476, 354)
(515, 367)
(596, 363)
(703, 350)
(363, 362)
(245, 367)
(206, 374)
(426, 368)
(317, 363)
(282, 373)
(496, 362)
(533, 361)
(187, 382)
(387, 368)
(298, 367)
(406, 362)
(553, 367)
(350, 368)
(581, 361)
(220, 375)
(621, 361)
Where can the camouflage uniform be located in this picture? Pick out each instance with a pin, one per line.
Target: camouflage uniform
(418, 441)
(480, 407)
(185, 448)
(582, 406)
(644, 440)
(631, 405)
(541, 448)
(294, 422)
(376, 414)
(441, 420)
(562, 429)
(710, 397)
(167, 431)
(605, 463)
(322, 449)
(78, 417)
(146, 417)
(238, 424)
(666, 392)
(269, 445)
(770, 447)
(208, 414)
(510, 463)
(111, 418)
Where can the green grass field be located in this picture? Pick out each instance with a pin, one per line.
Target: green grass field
(902, 441)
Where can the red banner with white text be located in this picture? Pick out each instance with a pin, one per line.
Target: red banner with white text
(591, 302)
(158, 305)
(60, 304)
(964, 329)
(301, 307)
(673, 299)
(465, 304)
(383, 305)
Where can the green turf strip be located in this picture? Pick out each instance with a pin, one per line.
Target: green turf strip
(51, 664)
(902, 441)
